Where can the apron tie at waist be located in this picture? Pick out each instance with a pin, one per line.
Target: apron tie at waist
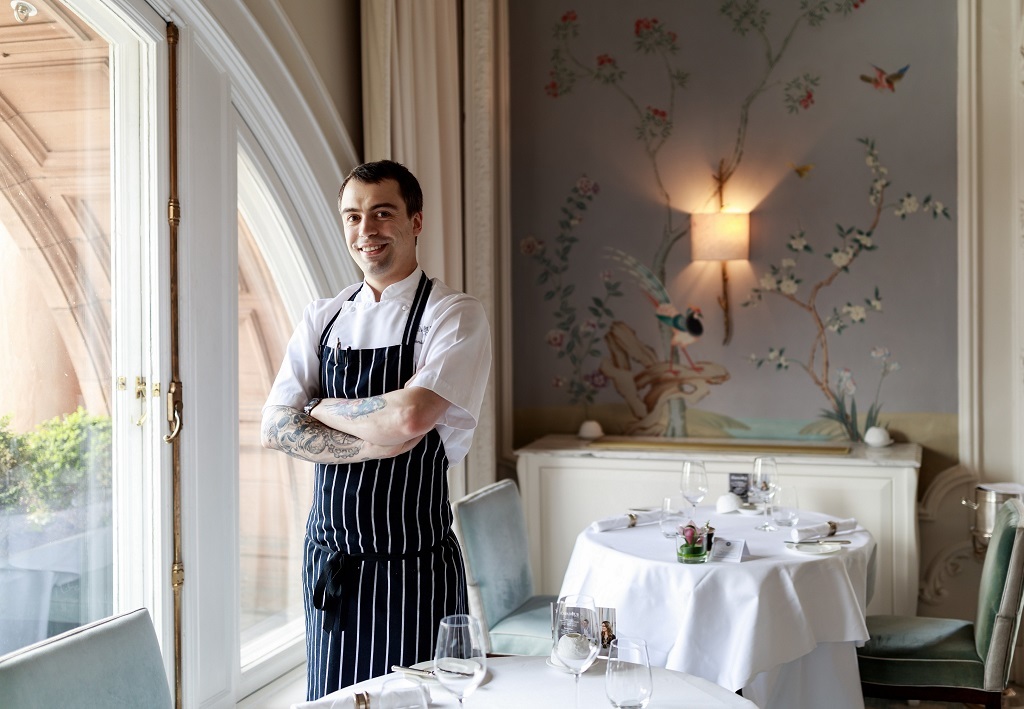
(338, 573)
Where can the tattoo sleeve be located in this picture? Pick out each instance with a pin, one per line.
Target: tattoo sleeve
(302, 436)
(356, 408)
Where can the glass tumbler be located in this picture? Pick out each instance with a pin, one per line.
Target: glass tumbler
(786, 510)
(627, 677)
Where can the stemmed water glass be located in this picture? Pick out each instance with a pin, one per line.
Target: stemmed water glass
(460, 659)
(694, 484)
(577, 639)
(763, 485)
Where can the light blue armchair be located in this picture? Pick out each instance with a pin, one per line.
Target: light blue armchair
(955, 660)
(114, 663)
(492, 530)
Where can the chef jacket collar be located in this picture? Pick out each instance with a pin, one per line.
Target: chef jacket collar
(404, 289)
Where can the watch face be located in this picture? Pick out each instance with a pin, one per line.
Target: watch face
(310, 406)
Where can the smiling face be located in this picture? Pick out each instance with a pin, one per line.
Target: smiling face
(380, 234)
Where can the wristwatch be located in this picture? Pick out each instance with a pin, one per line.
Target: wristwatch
(308, 408)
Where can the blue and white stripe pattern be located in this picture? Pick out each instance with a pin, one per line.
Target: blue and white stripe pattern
(393, 520)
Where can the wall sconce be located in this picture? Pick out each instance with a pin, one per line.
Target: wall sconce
(721, 236)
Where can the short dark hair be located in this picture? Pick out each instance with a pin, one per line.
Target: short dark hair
(373, 173)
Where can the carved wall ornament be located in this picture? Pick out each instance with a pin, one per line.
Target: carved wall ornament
(948, 564)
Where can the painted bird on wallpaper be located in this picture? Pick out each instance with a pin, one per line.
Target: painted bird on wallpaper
(686, 327)
(882, 79)
(801, 170)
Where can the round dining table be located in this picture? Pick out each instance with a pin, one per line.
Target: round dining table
(781, 625)
(518, 681)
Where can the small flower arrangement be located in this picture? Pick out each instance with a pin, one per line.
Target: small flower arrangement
(691, 547)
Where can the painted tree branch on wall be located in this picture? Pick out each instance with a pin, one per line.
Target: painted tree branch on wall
(573, 340)
(653, 126)
(783, 281)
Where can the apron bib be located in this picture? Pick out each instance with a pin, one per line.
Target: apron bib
(382, 565)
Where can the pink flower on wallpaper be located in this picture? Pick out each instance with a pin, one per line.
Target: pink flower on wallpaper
(551, 89)
(569, 16)
(808, 100)
(555, 339)
(605, 60)
(586, 186)
(651, 36)
(596, 379)
(557, 382)
(607, 275)
(657, 115)
(531, 246)
(644, 26)
(588, 326)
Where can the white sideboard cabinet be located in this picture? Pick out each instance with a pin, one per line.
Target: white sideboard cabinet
(566, 483)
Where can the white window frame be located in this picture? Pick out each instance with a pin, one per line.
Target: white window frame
(138, 174)
(233, 90)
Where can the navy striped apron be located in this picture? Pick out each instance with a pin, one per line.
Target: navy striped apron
(382, 565)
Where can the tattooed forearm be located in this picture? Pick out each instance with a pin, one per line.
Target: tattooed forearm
(355, 408)
(301, 436)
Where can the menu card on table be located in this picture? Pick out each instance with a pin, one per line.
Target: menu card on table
(606, 625)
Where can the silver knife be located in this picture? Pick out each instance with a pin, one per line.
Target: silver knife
(412, 671)
(426, 673)
(823, 541)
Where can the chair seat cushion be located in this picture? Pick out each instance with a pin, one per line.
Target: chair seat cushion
(926, 652)
(526, 630)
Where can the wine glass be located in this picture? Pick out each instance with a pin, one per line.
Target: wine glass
(460, 659)
(627, 677)
(763, 484)
(694, 485)
(577, 639)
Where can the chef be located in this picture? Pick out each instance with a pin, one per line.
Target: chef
(381, 387)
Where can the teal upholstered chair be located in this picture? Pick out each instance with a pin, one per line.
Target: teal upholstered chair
(114, 663)
(955, 660)
(492, 530)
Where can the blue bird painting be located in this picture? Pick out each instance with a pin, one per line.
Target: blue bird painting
(686, 327)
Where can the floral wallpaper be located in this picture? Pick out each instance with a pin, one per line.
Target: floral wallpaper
(832, 123)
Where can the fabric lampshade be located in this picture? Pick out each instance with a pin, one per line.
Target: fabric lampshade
(720, 236)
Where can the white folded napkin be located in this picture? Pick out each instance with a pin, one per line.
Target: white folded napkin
(632, 519)
(333, 701)
(799, 534)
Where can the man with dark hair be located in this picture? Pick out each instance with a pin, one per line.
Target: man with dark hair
(381, 387)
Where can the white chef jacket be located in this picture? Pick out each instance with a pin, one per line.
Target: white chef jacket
(452, 353)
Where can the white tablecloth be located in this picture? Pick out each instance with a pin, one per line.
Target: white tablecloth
(782, 625)
(518, 681)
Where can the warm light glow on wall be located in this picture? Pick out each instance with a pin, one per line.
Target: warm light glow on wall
(721, 236)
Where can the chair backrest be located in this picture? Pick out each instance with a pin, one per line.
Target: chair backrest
(1001, 594)
(112, 663)
(492, 528)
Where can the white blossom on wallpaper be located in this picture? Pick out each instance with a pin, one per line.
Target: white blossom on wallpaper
(783, 281)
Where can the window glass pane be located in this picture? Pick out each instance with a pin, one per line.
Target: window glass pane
(56, 558)
(274, 489)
